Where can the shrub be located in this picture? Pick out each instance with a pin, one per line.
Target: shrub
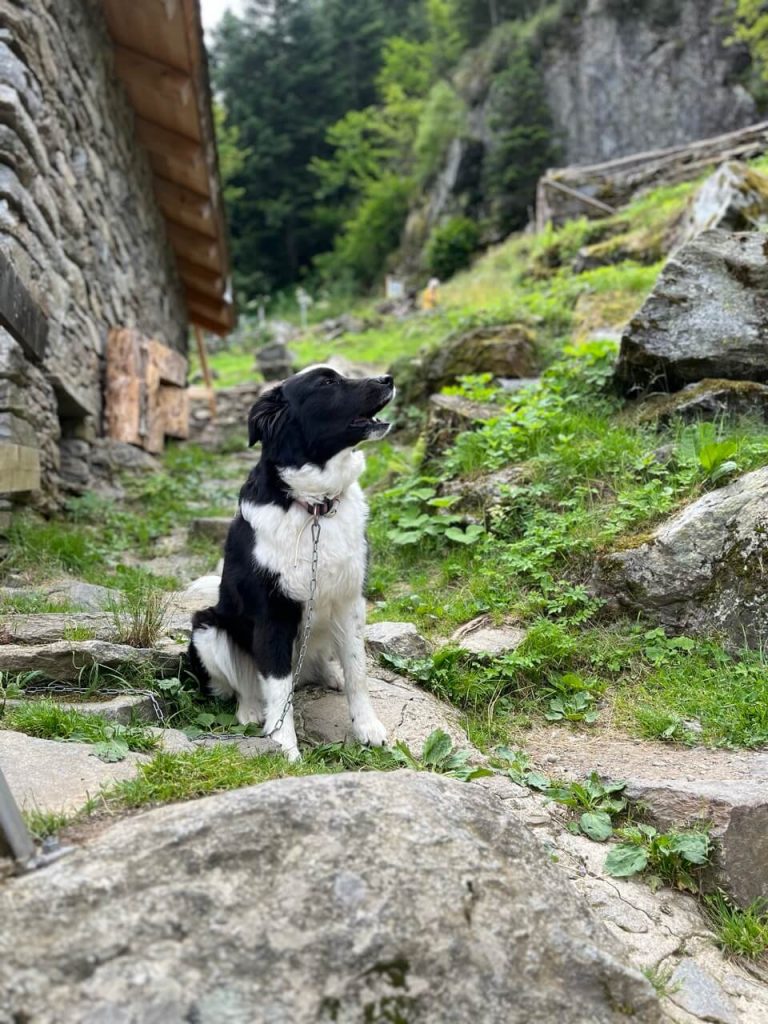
(451, 245)
(440, 122)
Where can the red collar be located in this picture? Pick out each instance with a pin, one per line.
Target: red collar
(321, 508)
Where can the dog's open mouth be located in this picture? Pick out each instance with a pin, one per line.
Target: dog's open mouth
(370, 420)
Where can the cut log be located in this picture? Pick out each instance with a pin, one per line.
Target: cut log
(172, 366)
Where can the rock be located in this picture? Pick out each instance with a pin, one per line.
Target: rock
(694, 990)
(213, 528)
(88, 596)
(505, 350)
(46, 775)
(399, 638)
(701, 571)
(109, 456)
(274, 361)
(706, 317)
(172, 741)
(735, 197)
(64, 660)
(48, 627)
(334, 327)
(449, 415)
(318, 906)
(482, 638)
(124, 709)
(481, 492)
(707, 400)
(725, 790)
(409, 714)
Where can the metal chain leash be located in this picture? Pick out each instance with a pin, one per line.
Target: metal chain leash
(315, 531)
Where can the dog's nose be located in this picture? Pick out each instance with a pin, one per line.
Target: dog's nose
(387, 379)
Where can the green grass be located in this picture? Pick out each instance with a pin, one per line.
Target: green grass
(48, 720)
(42, 824)
(740, 932)
(91, 541)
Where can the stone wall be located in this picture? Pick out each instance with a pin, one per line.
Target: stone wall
(628, 76)
(78, 219)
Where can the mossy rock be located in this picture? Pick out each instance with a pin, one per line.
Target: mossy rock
(702, 572)
(503, 350)
(708, 400)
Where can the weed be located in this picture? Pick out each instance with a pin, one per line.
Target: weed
(675, 858)
(42, 824)
(419, 515)
(740, 932)
(518, 767)
(75, 633)
(661, 980)
(439, 756)
(140, 615)
(599, 801)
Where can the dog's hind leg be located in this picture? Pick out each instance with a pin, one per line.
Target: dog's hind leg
(348, 637)
(273, 655)
(209, 649)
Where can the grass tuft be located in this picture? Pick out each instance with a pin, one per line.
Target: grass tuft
(740, 932)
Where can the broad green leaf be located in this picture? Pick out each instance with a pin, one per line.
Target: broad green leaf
(626, 859)
(597, 825)
(437, 747)
(460, 536)
(693, 846)
(205, 719)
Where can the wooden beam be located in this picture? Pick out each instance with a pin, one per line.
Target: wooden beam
(219, 312)
(159, 92)
(203, 356)
(182, 206)
(20, 314)
(199, 279)
(199, 249)
(19, 468)
(154, 28)
(208, 324)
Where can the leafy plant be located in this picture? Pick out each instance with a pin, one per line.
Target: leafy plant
(438, 756)
(672, 857)
(714, 453)
(598, 801)
(450, 246)
(518, 768)
(420, 515)
(574, 701)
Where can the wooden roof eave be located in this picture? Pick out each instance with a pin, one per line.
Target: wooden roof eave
(160, 59)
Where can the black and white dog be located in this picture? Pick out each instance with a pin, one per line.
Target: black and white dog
(246, 645)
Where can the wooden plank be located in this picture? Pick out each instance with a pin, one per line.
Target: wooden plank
(158, 92)
(172, 366)
(201, 280)
(123, 391)
(203, 356)
(173, 404)
(196, 248)
(183, 206)
(20, 315)
(218, 312)
(150, 425)
(582, 197)
(19, 468)
(207, 324)
(151, 27)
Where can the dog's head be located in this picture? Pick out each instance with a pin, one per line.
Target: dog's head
(317, 413)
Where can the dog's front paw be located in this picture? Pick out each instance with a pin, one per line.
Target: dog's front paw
(369, 731)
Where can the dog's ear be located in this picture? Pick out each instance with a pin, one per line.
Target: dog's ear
(265, 416)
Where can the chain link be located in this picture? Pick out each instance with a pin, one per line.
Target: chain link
(315, 531)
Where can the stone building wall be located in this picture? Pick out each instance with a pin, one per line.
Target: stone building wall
(78, 219)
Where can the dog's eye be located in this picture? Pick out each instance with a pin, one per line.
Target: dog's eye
(327, 380)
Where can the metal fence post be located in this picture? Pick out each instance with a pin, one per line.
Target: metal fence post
(15, 840)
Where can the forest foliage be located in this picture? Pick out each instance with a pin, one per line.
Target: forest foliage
(335, 119)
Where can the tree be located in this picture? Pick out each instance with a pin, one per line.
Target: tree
(751, 27)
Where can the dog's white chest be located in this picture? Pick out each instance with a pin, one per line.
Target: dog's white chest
(284, 546)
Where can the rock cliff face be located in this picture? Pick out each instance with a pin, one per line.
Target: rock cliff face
(631, 76)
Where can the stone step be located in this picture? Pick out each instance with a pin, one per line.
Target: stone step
(213, 528)
(725, 790)
(64, 660)
(123, 709)
(46, 775)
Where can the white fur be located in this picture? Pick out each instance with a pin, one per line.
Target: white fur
(284, 546)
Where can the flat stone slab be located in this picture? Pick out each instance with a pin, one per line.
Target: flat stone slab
(46, 775)
(727, 790)
(691, 988)
(480, 637)
(124, 709)
(213, 528)
(409, 714)
(64, 661)
(48, 627)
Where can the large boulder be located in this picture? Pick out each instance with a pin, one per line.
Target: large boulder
(328, 898)
(503, 350)
(703, 570)
(706, 317)
(735, 197)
